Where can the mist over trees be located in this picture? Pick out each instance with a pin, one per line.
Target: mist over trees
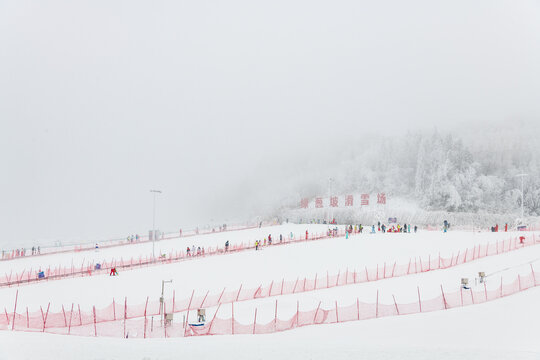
(473, 171)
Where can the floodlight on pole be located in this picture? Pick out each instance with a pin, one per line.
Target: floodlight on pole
(154, 224)
(522, 190)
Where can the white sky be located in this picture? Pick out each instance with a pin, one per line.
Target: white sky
(218, 103)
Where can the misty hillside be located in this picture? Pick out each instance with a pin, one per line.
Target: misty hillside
(441, 171)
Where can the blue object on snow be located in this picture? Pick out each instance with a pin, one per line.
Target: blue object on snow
(41, 275)
(98, 266)
(197, 324)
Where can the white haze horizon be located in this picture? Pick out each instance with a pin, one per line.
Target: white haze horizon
(228, 108)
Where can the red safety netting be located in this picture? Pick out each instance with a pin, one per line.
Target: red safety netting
(388, 270)
(59, 272)
(19, 253)
(137, 319)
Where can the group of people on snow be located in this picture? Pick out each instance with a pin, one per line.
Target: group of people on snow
(133, 238)
(36, 250)
(397, 228)
(199, 251)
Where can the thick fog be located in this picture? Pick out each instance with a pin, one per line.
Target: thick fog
(232, 107)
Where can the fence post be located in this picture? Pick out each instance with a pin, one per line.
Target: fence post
(337, 315)
(70, 316)
(190, 300)
(255, 321)
(419, 300)
(270, 290)
(315, 286)
(367, 275)
(15, 310)
(27, 319)
(316, 312)
(45, 318)
(80, 317)
(346, 276)
(393, 268)
(337, 280)
(125, 315)
(395, 304)
(114, 309)
(327, 280)
(297, 313)
(95, 327)
(275, 319)
(519, 282)
(145, 307)
(377, 305)
(204, 299)
(485, 291)
(354, 276)
(213, 318)
(65, 322)
(534, 277)
(409, 267)
(282, 282)
(357, 309)
(439, 260)
(472, 295)
(377, 276)
(219, 299)
(444, 298)
(238, 295)
(174, 300)
(296, 283)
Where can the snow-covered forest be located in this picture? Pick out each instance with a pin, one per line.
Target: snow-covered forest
(456, 171)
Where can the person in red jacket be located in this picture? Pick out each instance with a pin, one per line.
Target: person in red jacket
(306, 234)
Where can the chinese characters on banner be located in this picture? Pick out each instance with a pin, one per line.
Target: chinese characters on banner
(364, 199)
(349, 201)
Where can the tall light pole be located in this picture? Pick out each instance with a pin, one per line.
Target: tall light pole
(522, 189)
(330, 212)
(154, 224)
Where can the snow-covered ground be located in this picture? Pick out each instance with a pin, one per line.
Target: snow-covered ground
(502, 328)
